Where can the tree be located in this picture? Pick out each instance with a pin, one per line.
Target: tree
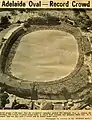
(3, 97)
(66, 93)
(5, 21)
(76, 12)
(14, 14)
(34, 95)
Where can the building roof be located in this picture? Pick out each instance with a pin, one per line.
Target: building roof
(10, 32)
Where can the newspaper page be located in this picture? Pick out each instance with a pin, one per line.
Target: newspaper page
(45, 59)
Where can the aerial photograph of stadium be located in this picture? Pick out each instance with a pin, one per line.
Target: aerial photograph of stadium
(46, 59)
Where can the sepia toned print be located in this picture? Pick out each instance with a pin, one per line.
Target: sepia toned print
(45, 59)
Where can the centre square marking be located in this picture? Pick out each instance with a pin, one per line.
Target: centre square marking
(45, 55)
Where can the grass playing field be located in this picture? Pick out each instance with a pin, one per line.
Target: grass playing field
(45, 55)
